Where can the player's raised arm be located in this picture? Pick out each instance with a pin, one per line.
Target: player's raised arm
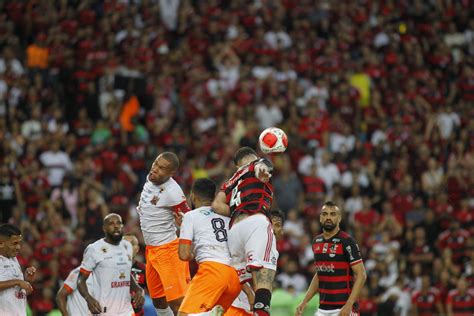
(263, 170)
(219, 205)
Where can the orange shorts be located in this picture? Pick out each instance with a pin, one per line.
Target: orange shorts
(166, 274)
(214, 284)
(234, 311)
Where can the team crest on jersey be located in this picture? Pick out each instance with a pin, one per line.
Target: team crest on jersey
(104, 249)
(333, 250)
(155, 199)
(122, 275)
(325, 247)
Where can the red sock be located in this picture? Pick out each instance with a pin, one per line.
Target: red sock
(260, 313)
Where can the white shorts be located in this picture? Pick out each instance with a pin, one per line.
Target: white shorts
(252, 245)
(333, 312)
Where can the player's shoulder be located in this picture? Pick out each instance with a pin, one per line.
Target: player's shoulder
(126, 245)
(97, 246)
(173, 186)
(344, 235)
(200, 212)
(318, 238)
(74, 273)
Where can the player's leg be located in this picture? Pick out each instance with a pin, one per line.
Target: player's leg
(154, 284)
(207, 288)
(262, 256)
(174, 274)
(232, 288)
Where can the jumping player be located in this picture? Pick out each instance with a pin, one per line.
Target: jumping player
(247, 198)
(161, 201)
(216, 284)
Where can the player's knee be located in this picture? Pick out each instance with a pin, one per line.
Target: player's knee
(175, 304)
(160, 302)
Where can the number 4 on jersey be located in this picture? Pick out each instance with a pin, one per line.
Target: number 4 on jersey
(235, 198)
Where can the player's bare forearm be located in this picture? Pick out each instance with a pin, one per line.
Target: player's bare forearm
(360, 276)
(4, 285)
(93, 305)
(312, 289)
(61, 300)
(185, 252)
(219, 204)
(82, 286)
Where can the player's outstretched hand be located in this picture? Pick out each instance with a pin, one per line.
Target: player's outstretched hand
(93, 305)
(30, 273)
(300, 309)
(139, 298)
(346, 310)
(263, 174)
(25, 285)
(178, 218)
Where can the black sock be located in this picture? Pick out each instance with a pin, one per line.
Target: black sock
(262, 302)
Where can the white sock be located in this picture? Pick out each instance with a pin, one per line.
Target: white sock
(164, 312)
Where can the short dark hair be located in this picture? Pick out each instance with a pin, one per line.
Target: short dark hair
(204, 188)
(243, 152)
(278, 213)
(8, 230)
(330, 204)
(172, 158)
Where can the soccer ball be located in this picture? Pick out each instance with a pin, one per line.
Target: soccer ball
(273, 140)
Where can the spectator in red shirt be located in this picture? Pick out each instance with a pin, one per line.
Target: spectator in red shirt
(460, 301)
(454, 238)
(426, 301)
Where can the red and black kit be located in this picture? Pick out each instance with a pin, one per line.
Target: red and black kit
(333, 259)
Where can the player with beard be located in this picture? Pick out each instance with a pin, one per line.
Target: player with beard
(110, 261)
(340, 273)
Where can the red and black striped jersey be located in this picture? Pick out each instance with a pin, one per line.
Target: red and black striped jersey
(462, 304)
(245, 193)
(139, 273)
(333, 259)
(425, 302)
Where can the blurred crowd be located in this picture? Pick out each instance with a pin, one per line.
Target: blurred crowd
(377, 99)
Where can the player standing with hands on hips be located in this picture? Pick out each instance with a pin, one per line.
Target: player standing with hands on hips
(338, 263)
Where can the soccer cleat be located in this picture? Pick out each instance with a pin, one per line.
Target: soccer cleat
(217, 311)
